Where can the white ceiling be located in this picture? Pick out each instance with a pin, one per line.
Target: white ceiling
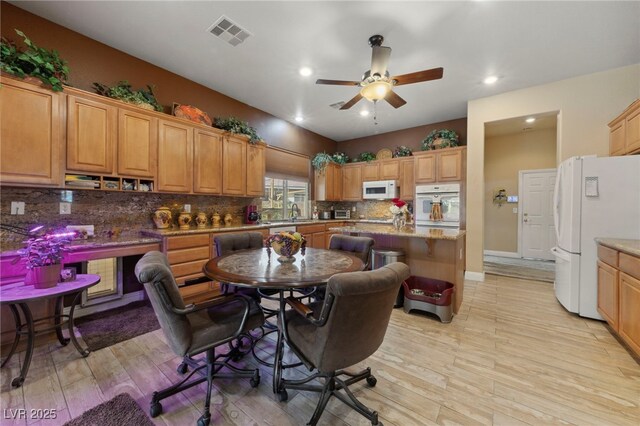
(511, 126)
(525, 43)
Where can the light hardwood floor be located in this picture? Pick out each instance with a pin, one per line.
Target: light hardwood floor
(512, 356)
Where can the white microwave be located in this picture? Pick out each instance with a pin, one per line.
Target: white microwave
(380, 190)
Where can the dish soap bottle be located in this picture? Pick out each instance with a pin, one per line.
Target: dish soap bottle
(314, 215)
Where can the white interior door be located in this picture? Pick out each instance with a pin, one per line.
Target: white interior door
(538, 234)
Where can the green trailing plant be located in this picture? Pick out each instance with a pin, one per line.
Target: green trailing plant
(340, 158)
(402, 151)
(448, 138)
(320, 161)
(366, 156)
(35, 61)
(235, 125)
(125, 93)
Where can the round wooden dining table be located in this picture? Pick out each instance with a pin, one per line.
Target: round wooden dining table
(258, 268)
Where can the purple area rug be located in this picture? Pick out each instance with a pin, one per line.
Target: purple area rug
(107, 328)
(121, 410)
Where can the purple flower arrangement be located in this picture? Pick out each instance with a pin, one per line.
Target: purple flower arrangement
(47, 249)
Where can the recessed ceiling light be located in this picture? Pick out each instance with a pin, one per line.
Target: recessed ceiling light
(490, 80)
(305, 71)
(299, 118)
(530, 120)
(364, 112)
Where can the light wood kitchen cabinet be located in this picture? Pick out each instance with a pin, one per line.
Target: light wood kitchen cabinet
(207, 162)
(234, 166)
(619, 293)
(425, 167)
(328, 234)
(328, 183)
(175, 157)
(352, 182)
(187, 255)
(255, 170)
(92, 130)
(608, 293)
(624, 131)
(443, 165)
(314, 234)
(137, 143)
(407, 182)
(389, 169)
(31, 132)
(370, 171)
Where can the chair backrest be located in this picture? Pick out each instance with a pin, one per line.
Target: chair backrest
(154, 272)
(359, 316)
(358, 246)
(228, 243)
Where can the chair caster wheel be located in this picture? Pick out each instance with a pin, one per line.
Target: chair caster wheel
(374, 419)
(283, 395)
(371, 381)
(255, 381)
(17, 382)
(182, 368)
(156, 409)
(204, 420)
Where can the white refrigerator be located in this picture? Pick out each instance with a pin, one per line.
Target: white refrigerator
(594, 197)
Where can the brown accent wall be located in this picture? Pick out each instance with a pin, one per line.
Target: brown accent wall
(411, 138)
(91, 61)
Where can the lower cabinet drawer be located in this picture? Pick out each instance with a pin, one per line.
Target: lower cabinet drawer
(608, 256)
(629, 265)
(189, 268)
(188, 255)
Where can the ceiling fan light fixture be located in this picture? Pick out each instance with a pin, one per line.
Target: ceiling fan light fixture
(375, 91)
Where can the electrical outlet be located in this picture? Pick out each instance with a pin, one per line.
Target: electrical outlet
(65, 208)
(515, 210)
(187, 208)
(17, 207)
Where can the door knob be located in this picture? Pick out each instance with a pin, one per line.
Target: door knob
(526, 221)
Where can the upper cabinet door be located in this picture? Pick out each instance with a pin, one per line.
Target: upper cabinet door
(91, 135)
(337, 183)
(617, 138)
(137, 144)
(207, 162)
(425, 168)
(352, 183)
(234, 166)
(390, 169)
(175, 157)
(255, 170)
(30, 134)
(450, 165)
(407, 186)
(370, 171)
(632, 132)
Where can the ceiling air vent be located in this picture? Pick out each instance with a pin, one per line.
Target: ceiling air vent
(229, 31)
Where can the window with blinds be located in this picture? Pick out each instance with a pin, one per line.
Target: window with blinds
(286, 185)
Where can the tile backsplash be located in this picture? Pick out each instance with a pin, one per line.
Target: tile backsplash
(372, 209)
(106, 210)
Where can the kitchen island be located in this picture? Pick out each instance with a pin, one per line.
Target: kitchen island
(437, 253)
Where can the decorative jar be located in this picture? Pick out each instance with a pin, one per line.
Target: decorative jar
(201, 220)
(228, 219)
(184, 220)
(215, 220)
(162, 218)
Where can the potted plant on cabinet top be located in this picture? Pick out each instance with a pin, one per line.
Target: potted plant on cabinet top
(443, 138)
(235, 125)
(45, 65)
(43, 255)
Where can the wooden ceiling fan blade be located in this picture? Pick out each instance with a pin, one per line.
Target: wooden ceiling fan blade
(395, 100)
(337, 82)
(352, 102)
(417, 77)
(380, 60)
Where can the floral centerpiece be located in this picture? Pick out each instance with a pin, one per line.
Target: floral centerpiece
(402, 151)
(43, 255)
(443, 138)
(340, 158)
(286, 245)
(399, 211)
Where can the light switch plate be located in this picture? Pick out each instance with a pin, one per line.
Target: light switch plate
(187, 208)
(515, 210)
(17, 207)
(65, 208)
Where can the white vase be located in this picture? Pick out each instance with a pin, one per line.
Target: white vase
(399, 221)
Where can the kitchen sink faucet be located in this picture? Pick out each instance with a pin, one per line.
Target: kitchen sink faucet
(295, 211)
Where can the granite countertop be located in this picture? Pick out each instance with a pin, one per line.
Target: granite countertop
(407, 231)
(631, 247)
(91, 243)
(170, 232)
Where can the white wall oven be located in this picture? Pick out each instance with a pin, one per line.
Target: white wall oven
(438, 205)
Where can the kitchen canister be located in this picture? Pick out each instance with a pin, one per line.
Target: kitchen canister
(201, 220)
(184, 220)
(162, 218)
(215, 219)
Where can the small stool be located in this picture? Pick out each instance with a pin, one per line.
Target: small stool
(382, 257)
(429, 295)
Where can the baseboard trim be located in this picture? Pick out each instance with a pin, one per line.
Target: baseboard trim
(501, 253)
(474, 276)
(92, 309)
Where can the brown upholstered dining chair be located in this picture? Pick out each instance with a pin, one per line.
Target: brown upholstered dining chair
(229, 243)
(195, 329)
(357, 246)
(343, 330)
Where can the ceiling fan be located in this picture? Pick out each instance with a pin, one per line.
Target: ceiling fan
(376, 84)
